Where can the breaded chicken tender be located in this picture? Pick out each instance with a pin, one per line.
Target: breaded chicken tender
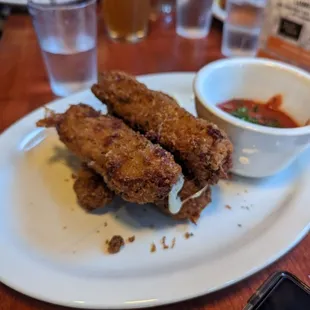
(92, 193)
(203, 150)
(90, 189)
(130, 165)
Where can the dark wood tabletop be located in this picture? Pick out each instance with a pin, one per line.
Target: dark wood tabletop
(24, 87)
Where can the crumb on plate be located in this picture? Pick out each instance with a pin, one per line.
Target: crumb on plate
(131, 239)
(188, 235)
(115, 244)
(163, 242)
(173, 243)
(153, 247)
(228, 207)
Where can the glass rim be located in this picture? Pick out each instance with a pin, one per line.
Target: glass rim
(68, 5)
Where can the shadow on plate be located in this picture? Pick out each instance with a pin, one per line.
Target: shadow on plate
(62, 154)
(137, 216)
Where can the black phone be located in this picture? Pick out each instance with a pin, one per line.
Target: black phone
(282, 291)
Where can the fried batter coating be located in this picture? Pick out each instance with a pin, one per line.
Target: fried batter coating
(190, 210)
(201, 147)
(193, 207)
(90, 189)
(131, 165)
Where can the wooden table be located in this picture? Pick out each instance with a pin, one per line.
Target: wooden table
(24, 87)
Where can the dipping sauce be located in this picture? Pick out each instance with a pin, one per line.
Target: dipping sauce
(266, 114)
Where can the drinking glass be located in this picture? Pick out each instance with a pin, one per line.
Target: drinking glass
(126, 19)
(242, 27)
(193, 18)
(67, 34)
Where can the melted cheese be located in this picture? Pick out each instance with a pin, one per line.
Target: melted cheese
(175, 203)
(196, 195)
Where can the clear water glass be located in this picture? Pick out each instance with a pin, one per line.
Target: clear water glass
(242, 27)
(67, 34)
(193, 18)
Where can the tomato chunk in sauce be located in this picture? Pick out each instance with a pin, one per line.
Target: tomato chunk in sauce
(265, 114)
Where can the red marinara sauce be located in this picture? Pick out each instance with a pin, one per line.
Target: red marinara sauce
(265, 114)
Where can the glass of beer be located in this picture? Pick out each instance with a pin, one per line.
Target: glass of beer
(126, 19)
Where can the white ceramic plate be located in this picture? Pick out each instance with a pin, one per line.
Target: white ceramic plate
(218, 12)
(52, 250)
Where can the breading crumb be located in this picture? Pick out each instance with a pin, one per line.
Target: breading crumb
(188, 235)
(115, 244)
(163, 242)
(173, 243)
(131, 239)
(228, 207)
(64, 227)
(97, 231)
(105, 224)
(153, 247)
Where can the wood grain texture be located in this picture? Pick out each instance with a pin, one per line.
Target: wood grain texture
(24, 87)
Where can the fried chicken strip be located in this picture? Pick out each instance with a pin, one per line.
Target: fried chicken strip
(90, 189)
(131, 165)
(201, 147)
(92, 193)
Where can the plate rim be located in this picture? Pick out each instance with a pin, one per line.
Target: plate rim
(291, 243)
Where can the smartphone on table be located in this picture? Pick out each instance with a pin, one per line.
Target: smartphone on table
(282, 291)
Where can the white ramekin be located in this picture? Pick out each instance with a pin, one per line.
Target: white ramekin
(258, 151)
